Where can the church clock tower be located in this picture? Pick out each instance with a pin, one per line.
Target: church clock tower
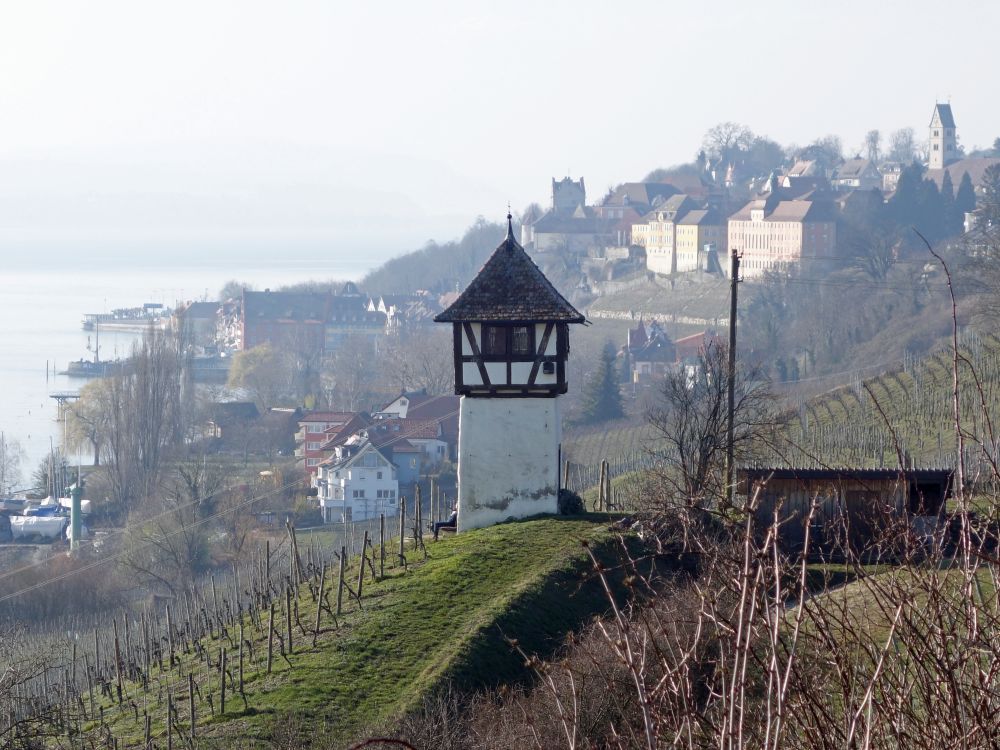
(943, 142)
(511, 342)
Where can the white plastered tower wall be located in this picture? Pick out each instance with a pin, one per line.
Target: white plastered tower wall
(497, 435)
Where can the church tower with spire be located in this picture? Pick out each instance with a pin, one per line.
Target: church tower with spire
(943, 142)
(511, 342)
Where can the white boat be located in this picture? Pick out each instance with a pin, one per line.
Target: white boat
(67, 503)
(44, 527)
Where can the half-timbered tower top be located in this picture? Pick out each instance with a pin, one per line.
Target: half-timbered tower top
(510, 288)
(511, 329)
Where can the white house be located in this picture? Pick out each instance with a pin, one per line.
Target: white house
(357, 483)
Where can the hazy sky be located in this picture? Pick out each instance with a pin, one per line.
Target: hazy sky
(375, 125)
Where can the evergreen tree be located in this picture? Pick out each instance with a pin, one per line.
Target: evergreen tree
(931, 221)
(952, 219)
(965, 199)
(991, 195)
(602, 399)
(905, 203)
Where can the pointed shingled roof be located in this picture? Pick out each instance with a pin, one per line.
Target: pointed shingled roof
(510, 287)
(943, 111)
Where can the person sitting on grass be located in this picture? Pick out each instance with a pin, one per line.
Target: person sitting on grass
(451, 523)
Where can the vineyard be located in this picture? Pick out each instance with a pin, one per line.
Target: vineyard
(588, 446)
(302, 633)
(904, 414)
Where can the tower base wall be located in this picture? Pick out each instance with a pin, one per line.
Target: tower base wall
(508, 459)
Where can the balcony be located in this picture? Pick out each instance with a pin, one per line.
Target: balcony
(300, 452)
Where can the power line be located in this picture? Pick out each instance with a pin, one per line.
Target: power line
(171, 511)
(164, 537)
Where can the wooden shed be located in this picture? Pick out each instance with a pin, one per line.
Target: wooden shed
(854, 507)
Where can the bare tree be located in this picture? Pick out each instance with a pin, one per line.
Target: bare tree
(902, 146)
(873, 146)
(726, 140)
(691, 419)
(420, 360)
(166, 545)
(87, 418)
(11, 456)
(265, 372)
(143, 419)
(349, 375)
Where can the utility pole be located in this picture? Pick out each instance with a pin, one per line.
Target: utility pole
(734, 281)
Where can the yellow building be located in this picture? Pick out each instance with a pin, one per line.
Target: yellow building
(693, 232)
(657, 233)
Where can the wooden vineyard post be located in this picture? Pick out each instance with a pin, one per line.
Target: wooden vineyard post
(270, 638)
(241, 657)
(340, 583)
(118, 661)
(381, 545)
(288, 617)
(418, 532)
(191, 703)
(607, 492)
(222, 682)
(434, 507)
(170, 640)
(361, 564)
(402, 530)
(566, 475)
(600, 489)
(319, 609)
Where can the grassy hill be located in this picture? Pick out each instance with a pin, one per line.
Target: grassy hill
(441, 620)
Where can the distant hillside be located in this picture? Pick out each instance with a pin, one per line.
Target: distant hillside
(438, 267)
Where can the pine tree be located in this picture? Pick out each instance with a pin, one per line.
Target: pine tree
(965, 199)
(602, 399)
(905, 203)
(952, 219)
(931, 222)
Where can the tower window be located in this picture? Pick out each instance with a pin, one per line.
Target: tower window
(494, 341)
(522, 341)
(508, 341)
(936, 133)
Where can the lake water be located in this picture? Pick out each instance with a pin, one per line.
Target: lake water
(42, 307)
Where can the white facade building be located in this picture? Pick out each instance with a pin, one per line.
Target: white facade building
(357, 483)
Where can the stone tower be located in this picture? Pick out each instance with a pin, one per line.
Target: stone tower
(511, 341)
(943, 142)
(568, 194)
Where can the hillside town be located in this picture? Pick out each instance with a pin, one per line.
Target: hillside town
(505, 471)
(793, 217)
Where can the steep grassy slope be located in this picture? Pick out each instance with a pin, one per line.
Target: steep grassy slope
(442, 619)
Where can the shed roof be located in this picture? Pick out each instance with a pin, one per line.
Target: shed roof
(858, 474)
(510, 287)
